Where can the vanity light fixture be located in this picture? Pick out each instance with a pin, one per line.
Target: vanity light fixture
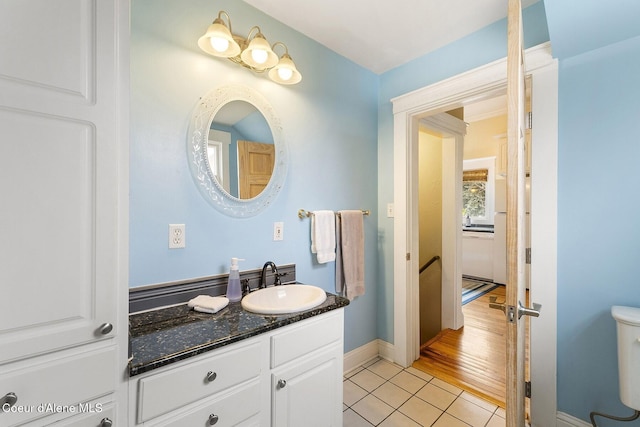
(253, 52)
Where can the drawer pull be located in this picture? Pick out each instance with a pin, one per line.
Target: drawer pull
(106, 422)
(211, 376)
(213, 419)
(105, 328)
(282, 383)
(8, 400)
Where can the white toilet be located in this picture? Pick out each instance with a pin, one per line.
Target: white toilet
(628, 320)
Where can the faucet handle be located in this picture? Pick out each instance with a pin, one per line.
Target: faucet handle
(277, 281)
(245, 286)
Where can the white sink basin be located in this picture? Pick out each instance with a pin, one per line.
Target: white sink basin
(284, 299)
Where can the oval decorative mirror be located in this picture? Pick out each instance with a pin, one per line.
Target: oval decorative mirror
(237, 153)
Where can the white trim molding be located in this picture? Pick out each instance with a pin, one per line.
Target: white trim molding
(361, 355)
(566, 420)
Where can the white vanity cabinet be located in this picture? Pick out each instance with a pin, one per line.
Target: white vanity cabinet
(290, 376)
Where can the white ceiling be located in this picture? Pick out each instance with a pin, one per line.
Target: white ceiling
(382, 34)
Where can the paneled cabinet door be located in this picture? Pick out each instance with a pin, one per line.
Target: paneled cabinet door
(308, 392)
(60, 174)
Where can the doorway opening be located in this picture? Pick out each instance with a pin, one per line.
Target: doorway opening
(469, 353)
(482, 83)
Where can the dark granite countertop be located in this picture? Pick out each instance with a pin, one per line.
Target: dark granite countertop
(161, 337)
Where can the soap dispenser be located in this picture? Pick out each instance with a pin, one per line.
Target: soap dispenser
(234, 290)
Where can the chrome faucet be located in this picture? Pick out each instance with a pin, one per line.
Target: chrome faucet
(274, 270)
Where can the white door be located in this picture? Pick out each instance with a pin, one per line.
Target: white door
(59, 148)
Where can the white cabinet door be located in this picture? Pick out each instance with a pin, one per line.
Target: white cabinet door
(477, 255)
(61, 181)
(308, 392)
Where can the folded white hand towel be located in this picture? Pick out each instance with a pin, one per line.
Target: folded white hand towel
(208, 304)
(323, 236)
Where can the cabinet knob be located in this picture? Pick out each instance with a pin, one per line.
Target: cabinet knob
(106, 422)
(282, 383)
(213, 419)
(211, 376)
(8, 400)
(105, 328)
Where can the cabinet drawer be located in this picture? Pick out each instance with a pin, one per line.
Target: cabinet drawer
(171, 389)
(240, 407)
(74, 378)
(305, 337)
(92, 418)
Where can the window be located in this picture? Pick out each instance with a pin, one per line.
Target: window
(474, 190)
(478, 190)
(214, 152)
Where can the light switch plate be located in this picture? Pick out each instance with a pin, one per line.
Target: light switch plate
(278, 231)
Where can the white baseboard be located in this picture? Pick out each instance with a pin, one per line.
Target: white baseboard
(566, 420)
(386, 350)
(364, 353)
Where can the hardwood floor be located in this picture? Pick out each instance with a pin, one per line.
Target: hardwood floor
(473, 357)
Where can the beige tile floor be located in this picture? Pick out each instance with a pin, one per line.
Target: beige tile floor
(380, 393)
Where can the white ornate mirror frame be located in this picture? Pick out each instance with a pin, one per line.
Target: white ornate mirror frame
(197, 141)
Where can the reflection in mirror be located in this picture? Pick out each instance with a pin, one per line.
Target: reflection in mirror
(240, 150)
(237, 153)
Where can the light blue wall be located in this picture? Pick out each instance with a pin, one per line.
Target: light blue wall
(598, 239)
(579, 26)
(480, 48)
(330, 126)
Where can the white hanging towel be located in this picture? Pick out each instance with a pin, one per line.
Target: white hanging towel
(350, 254)
(323, 236)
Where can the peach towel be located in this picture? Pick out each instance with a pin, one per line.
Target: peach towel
(350, 254)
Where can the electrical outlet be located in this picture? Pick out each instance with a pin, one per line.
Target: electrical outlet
(278, 231)
(176, 236)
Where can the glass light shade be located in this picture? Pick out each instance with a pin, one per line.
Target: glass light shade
(285, 72)
(216, 38)
(263, 53)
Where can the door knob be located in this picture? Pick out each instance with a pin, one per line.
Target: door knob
(282, 383)
(510, 310)
(105, 328)
(106, 422)
(529, 311)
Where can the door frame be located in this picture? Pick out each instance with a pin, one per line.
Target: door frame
(482, 83)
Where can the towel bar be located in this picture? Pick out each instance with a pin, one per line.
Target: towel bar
(305, 214)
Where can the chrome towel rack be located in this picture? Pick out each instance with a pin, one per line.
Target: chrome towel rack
(306, 214)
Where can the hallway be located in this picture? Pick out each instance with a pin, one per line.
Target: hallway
(473, 357)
